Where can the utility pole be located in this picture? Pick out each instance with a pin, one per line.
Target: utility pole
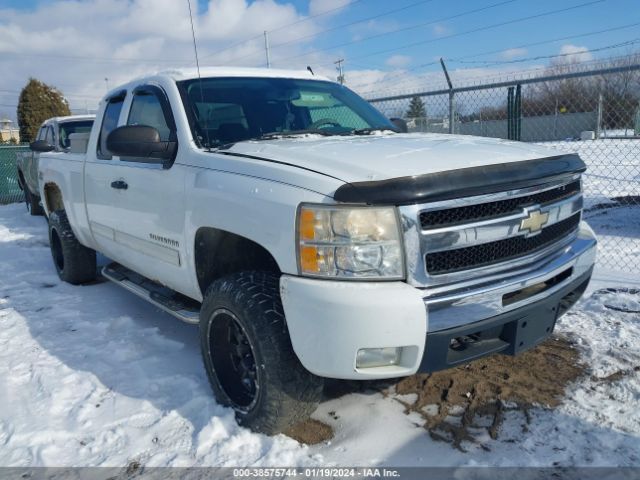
(106, 82)
(266, 48)
(338, 64)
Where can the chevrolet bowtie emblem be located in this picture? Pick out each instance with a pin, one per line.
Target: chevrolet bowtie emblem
(534, 222)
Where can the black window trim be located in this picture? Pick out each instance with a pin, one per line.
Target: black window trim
(41, 133)
(53, 136)
(165, 105)
(119, 96)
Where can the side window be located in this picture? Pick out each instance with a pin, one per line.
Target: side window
(41, 133)
(109, 123)
(49, 136)
(146, 109)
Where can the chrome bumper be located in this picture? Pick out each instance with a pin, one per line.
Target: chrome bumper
(463, 304)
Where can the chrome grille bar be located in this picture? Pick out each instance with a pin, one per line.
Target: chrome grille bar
(560, 212)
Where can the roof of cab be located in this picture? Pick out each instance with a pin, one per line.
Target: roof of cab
(207, 72)
(68, 118)
(179, 74)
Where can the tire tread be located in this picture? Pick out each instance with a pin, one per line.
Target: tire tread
(293, 393)
(79, 261)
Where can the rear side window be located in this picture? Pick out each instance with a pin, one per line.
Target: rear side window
(109, 123)
(66, 129)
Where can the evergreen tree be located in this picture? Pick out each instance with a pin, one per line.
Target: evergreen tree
(416, 108)
(38, 102)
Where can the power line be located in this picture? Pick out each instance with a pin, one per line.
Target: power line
(277, 29)
(467, 32)
(175, 61)
(93, 59)
(476, 55)
(529, 73)
(75, 95)
(403, 29)
(558, 39)
(367, 19)
(568, 54)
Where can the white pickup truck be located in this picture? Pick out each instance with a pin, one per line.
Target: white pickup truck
(309, 239)
(53, 136)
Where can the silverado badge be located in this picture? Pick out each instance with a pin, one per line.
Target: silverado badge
(534, 222)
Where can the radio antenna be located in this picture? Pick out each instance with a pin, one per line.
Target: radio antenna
(195, 49)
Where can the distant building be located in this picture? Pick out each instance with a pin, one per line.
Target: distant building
(8, 132)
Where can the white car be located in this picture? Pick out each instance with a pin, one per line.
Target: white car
(309, 239)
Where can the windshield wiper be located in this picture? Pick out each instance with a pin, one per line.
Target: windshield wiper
(369, 130)
(292, 133)
(273, 136)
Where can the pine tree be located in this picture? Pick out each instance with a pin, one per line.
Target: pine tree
(416, 108)
(38, 102)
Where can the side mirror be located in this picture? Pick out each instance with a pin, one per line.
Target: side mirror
(400, 124)
(140, 141)
(41, 146)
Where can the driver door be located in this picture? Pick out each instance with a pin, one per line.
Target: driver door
(152, 213)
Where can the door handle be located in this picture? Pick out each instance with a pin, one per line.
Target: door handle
(119, 184)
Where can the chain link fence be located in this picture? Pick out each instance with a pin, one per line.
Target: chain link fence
(10, 191)
(594, 113)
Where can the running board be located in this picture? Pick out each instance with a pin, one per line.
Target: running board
(172, 302)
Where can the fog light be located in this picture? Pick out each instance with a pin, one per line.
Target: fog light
(378, 357)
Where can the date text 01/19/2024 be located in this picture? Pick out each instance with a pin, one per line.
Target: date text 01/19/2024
(315, 472)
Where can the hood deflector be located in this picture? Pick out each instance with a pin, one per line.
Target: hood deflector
(464, 182)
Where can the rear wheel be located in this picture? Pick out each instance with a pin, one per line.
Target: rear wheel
(33, 203)
(74, 262)
(248, 354)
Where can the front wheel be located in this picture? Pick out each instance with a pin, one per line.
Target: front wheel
(248, 355)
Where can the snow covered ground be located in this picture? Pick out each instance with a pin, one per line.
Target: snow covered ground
(94, 376)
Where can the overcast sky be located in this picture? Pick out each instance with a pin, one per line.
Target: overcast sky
(83, 46)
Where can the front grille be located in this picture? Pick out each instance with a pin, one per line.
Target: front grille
(486, 211)
(486, 254)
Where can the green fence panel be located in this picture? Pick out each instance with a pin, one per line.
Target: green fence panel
(9, 189)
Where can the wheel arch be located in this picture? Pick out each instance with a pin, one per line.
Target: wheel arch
(218, 253)
(53, 199)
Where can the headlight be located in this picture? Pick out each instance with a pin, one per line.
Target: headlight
(349, 242)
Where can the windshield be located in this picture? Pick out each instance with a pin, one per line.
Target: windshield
(67, 128)
(228, 110)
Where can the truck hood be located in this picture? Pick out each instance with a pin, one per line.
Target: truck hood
(387, 155)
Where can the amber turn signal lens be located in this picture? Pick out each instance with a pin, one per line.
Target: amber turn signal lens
(307, 224)
(309, 259)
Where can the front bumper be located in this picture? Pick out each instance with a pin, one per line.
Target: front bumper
(329, 321)
(510, 333)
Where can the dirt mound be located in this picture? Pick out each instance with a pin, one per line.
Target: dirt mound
(475, 396)
(457, 403)
(310, 432)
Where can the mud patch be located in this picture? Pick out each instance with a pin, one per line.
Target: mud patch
(459, 404)
(310, 432)
(465, 403)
